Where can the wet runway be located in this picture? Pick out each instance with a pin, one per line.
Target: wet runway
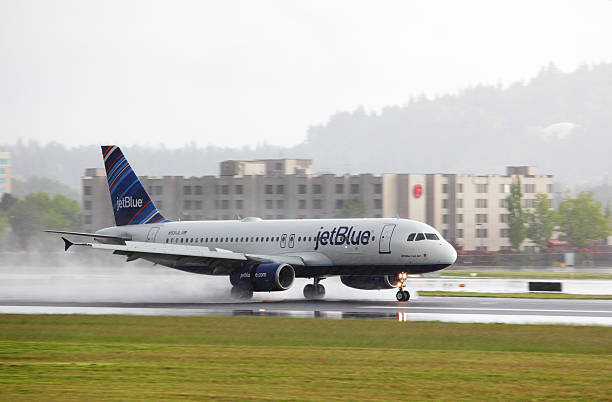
(451, 309)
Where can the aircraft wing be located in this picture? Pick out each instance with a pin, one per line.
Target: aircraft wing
(183, 254)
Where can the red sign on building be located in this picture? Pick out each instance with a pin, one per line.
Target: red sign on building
(417, 190)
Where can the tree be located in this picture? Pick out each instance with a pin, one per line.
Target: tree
(541, 221)
(581, 220)
(352, 209)
(36, 212)
(516, 215)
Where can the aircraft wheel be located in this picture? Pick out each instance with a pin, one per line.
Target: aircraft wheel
(406, 295)
(309, 291)
(320, 291)
(241, 293)
(399, 295)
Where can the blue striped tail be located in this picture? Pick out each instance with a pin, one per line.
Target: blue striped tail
(131, 203)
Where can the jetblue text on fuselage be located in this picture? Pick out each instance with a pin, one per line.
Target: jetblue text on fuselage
(342, 235)
(129, 202)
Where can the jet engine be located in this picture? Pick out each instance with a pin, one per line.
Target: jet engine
(370, 282)
(263, 277)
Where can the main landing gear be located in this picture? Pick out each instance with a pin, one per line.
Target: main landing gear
(314, 291)
(402, 295)
(241, 293)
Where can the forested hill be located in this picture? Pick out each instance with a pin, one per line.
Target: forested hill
(559, 122)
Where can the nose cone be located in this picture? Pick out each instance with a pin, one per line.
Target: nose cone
(451, 254)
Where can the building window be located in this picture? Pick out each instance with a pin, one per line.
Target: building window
(481, 218)
(503, 203)
(301, 189)
(529, 188)
(87, 205)
(2, 180)
(187, 204)
(4, 161)
(158, 204)
(459, 233)
(445, 233)
(549, 188)
(339, 204)
(225, 189)
(198, 204)
(503, 218)
(87, 190)
(444, 218)
(354, 188)
(87, 219)
(460, 203)
(529, 203)
(198, 190)
(280, 204)
(2, 170)
(504, 188)
(505, 233)
(481, 203)
(377, 188)
(280, 189)
(482, 248)
(445, 188)
(481, 188)
(224, 204)
(269, 189)
(445, 203)
(239, 204)
(278, 166)
(316, 204)
(316, 189)
(269, 204)
(238, 188)
(459, 218)
(482, 233)
(301, 204)
(187, 190)
(377, 203)
(339, 188)
(460, 187)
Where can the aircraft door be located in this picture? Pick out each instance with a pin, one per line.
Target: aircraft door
(152, 234)
(283, 240)
(384, 242)
(291, 240)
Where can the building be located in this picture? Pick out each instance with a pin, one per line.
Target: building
(469, 210)
(5, 173)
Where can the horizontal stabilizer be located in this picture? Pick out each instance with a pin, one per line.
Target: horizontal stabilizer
(67, 243)
(101, 236)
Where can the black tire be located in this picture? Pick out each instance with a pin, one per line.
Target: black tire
(309, 291)
(239, 293)
(399, 295)
(320, 291)
(406, 295)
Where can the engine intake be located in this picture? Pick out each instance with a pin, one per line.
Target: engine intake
(264, 277)
(370, 282)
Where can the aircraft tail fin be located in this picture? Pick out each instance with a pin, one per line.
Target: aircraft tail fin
(131, 203)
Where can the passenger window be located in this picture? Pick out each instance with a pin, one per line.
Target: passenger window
(420, 236)
(411, 236)
(431, 236)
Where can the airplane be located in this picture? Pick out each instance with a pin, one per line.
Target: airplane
(266, 255)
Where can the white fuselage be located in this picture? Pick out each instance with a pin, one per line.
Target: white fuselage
(327, 246)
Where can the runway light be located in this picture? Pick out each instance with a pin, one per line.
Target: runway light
(462, 285)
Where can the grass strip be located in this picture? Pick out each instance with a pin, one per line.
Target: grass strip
(514, 295)
(55, 357)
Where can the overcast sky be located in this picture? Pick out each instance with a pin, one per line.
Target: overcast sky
(243, 72)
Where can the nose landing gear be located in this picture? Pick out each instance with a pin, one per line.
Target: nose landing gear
(402, 295)
(314, 291)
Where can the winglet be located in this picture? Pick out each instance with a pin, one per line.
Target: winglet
(67, 243)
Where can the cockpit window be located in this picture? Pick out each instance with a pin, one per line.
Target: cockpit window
(411, 236)
(431, 236)
(419, 236)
